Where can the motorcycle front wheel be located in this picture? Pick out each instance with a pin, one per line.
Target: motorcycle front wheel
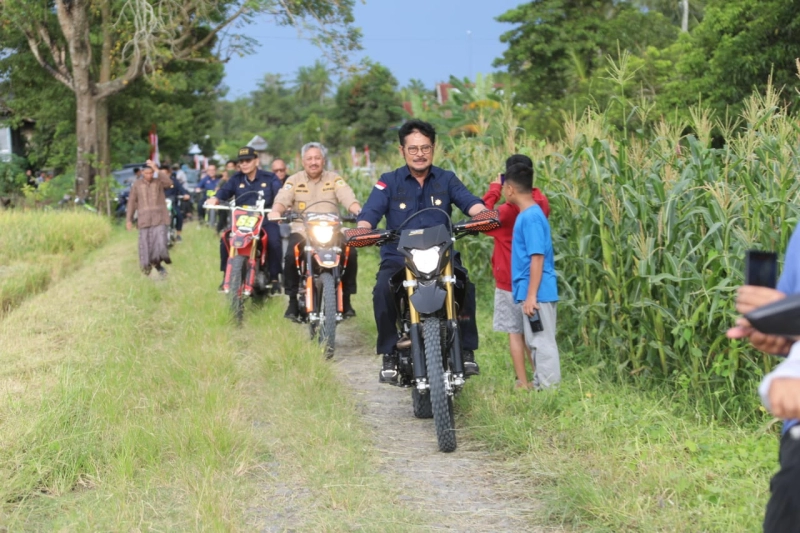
(441, 403)
(327, 313)
(238, 265)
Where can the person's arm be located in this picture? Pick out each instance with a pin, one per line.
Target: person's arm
(346, 196)
(534, 236)
(130, 208)
(467, 202)
(283, 200)
(542, 201)
(780, 389)
(508, 215)
(493, 195)
(376, 206)
(537, 266)
(224, 193)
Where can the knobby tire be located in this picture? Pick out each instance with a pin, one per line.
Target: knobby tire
(327, 313)
(238, 264)
(441, 403)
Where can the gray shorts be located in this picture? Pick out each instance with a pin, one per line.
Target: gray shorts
(508, 316)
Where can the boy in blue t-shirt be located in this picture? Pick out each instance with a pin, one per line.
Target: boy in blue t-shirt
(533, 275)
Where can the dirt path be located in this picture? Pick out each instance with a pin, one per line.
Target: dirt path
(430, 480)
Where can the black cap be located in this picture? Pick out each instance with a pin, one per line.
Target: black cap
(246, 153)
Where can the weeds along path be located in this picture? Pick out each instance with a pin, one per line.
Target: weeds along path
(469, 490)
(132, 404)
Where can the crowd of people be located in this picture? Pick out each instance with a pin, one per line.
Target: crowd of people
(526, 293)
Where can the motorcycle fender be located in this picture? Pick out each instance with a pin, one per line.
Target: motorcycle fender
(326, 258)
(240, 241)
(428, 298)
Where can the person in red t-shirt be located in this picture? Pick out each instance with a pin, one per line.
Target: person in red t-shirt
(507, 317)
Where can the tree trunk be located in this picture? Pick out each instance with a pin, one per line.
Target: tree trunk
(684, 15)
(80, 52)
(103, 123)
(86, 133)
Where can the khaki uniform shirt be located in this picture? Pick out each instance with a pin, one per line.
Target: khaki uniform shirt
(149, 200)
(299, 192)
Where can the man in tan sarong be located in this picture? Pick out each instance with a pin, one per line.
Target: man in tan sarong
(147, 200)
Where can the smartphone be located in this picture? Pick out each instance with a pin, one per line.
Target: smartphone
(536, 322)
(502, 179)
(761, 268)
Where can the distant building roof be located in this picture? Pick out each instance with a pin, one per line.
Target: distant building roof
(258, 143)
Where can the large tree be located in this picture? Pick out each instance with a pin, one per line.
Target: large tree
(735, 49)
(367, 108)
(97, 48)
(558, 50)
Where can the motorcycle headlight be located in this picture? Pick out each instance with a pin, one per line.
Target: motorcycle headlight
(322, 234)
(427, 260)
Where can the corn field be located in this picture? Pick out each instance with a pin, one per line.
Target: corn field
(650, 233)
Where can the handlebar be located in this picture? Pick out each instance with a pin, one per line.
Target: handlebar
(231, 208)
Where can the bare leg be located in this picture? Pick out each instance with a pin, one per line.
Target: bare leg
(516, 344)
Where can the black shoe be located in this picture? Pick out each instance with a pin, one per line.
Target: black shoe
(276, 287)
(221, 287)
(292, 310)
(471, 368)
(178, 238)
(146, 270)
(348, 312)
(388, 373)
(161, 271)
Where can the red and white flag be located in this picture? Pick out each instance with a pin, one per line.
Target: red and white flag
(154, 146)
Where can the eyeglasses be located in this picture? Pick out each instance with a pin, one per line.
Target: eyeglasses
(279, 170)
(414, 150)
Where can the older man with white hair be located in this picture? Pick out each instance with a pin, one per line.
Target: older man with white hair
(300, 190)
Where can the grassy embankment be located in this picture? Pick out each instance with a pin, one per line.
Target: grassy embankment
(604, 455)
(131, 404)
(37, 248)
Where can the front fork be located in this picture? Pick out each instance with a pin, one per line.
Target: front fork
(417, 354)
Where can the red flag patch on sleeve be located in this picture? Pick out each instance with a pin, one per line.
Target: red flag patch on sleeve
(380, 185)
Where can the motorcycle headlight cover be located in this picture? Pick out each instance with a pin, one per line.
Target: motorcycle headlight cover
(427, 260)
(323, 234)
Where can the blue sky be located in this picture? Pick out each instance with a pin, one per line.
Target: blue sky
(425, 39)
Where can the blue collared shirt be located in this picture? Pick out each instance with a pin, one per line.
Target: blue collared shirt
(398, 195)
(208, 183)
(246, 191)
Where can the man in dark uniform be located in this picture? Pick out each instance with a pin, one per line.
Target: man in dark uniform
(176, 192)
(245, 186)
(416, 186)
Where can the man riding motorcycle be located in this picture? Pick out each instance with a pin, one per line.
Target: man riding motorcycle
(314, 184)
(245, 186)
(397, 195)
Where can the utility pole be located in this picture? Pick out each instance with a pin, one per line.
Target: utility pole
(684, 16)
(469, 52)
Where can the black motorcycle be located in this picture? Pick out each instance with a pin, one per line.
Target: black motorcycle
(321, 265)
(429, 346)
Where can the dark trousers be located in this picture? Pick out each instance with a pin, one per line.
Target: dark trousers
(178, 214)
(783, 508)
(383, 304)
(273, 265)
(291, 278)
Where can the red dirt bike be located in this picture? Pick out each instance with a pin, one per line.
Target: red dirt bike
(321, 264)
(247, 246)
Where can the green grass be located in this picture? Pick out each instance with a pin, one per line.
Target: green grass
(37, 248)
(133, 404)
(608, 456)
